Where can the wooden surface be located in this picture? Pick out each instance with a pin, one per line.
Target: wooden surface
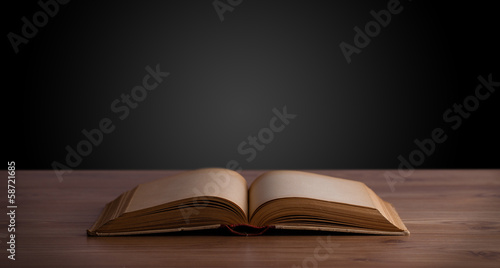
(453, 216)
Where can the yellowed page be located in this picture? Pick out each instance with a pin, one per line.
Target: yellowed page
(223, 183)
(285, 183)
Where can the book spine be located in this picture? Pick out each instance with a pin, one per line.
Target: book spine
(246, 229)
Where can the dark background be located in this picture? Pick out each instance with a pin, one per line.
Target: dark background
(226, 77)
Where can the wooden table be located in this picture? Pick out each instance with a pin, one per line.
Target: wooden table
(453, 216)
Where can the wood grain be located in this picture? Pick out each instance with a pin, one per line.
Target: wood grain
(453, 216)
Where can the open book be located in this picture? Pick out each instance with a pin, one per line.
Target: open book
(220, 198)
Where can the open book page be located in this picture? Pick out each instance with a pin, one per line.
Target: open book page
(217, 182)
(284, 183)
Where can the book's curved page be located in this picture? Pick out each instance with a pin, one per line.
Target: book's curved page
(286, 183)
(217, 182)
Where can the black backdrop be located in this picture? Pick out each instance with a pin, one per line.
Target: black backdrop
(226, 77)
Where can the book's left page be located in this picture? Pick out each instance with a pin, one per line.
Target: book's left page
(192, 200)
(215, 182)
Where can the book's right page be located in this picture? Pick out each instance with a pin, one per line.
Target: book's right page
(286, 183)
(346, 195)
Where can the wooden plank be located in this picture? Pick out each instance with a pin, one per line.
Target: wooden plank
(453, 216)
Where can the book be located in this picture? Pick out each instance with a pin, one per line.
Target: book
(216, 198)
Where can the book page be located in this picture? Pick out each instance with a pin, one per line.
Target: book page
(217, 182)
(280, 184)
